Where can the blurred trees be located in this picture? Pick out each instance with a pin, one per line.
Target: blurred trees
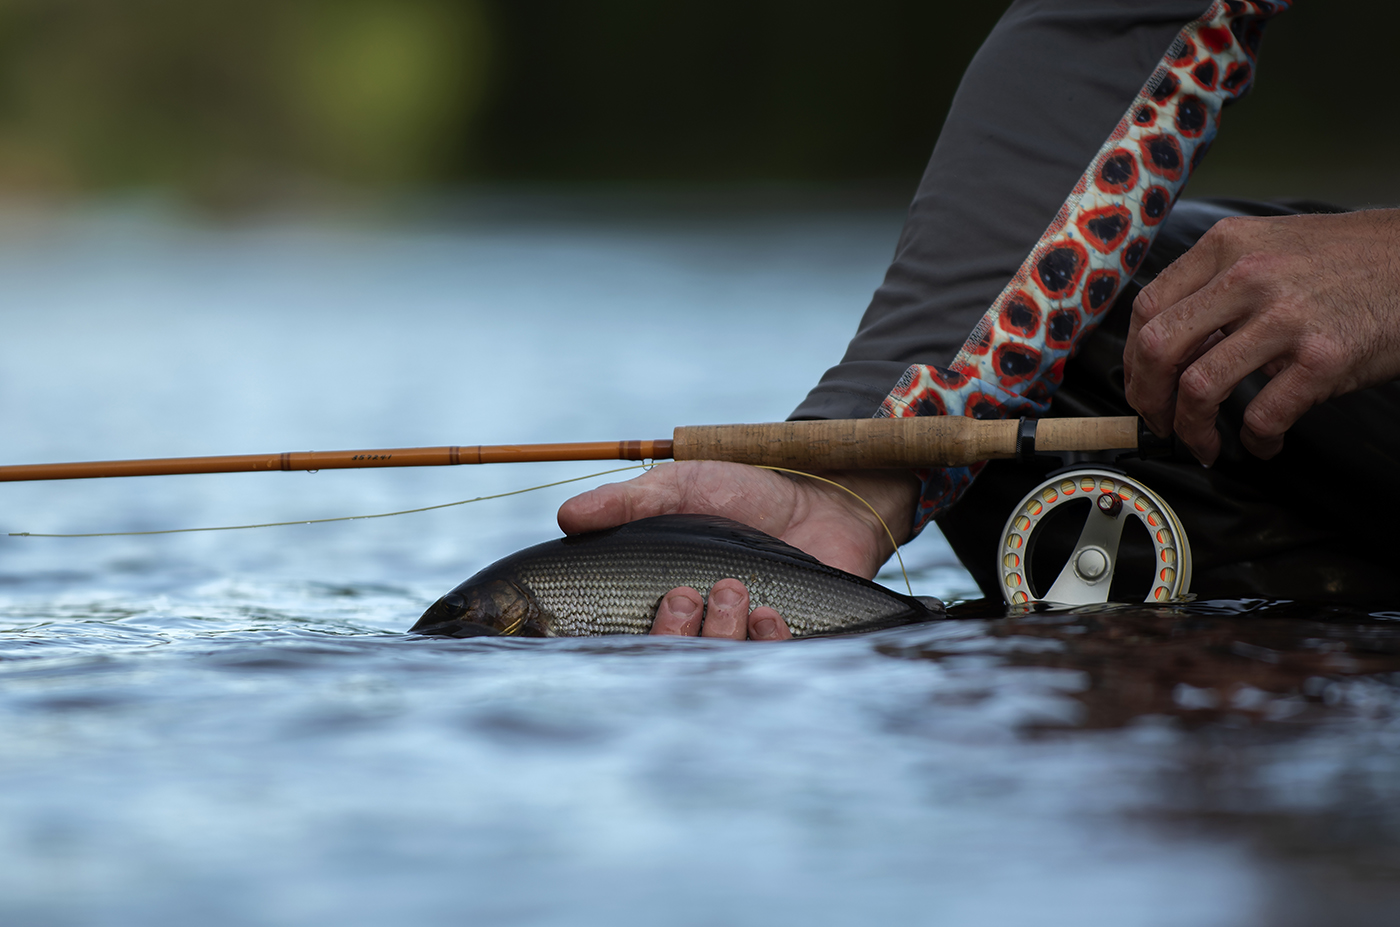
(229, 99)
(221, 97)
(209, 95)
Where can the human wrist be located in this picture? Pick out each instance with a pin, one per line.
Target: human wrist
(891, 494)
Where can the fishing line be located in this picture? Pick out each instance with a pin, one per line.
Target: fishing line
(888, 533)
(448, 505)
(322, 521)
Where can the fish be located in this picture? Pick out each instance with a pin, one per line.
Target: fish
(611, 581)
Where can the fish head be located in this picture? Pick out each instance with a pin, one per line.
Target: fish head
(494, 607)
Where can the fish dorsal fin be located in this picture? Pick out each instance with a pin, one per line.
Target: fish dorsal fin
(723, 529)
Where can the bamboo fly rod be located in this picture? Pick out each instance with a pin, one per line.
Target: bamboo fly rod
(837, 444)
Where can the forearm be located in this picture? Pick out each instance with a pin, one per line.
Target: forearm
(1047, 87)
(1007, 197)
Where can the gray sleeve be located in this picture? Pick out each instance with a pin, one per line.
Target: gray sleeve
(1038, 100)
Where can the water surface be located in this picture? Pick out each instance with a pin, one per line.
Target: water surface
(232, 728)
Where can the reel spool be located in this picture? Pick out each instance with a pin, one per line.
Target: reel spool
(1087, 576)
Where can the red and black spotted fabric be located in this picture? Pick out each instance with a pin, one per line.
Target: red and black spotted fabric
(1015, 357)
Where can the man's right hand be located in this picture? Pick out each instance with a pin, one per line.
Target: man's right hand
(1310, 300)
(812, 516)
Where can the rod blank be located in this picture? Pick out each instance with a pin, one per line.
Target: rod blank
(343, 460)
(904, 443)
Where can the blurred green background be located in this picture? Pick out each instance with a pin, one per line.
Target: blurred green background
(256, 101)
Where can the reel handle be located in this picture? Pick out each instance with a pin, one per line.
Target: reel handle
(898, 443)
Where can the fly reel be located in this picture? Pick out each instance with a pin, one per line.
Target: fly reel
(1088, 574)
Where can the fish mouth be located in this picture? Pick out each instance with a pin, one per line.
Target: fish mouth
(448, 617)
(493, 609)
(435, 626)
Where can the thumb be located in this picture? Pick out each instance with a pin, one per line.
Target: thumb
(618, 503)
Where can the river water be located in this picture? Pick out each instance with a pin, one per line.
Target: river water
(233, 728)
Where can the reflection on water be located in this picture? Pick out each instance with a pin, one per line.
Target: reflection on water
(233, 728)
(1206, 662)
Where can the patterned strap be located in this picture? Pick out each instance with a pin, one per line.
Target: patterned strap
(1015, 357)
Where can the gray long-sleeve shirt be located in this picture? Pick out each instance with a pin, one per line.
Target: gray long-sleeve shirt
(1038, 100)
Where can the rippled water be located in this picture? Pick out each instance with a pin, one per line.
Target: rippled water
(233, 728)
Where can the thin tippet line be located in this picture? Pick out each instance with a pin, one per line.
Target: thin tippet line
(447, 505)
(861, 499)
(322, 521)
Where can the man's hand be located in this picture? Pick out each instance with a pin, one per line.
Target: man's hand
(1313, 301)
(685, 612)
(810, 515)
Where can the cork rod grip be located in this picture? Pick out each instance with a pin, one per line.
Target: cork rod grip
(1087, 434)
(891, 443)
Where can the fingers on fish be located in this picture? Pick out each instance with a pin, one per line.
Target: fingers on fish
(679, 613)
(727, 611)
(765, 624)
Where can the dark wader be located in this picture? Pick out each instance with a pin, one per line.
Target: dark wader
(1312, 523)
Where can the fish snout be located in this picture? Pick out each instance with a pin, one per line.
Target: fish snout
(485, 609)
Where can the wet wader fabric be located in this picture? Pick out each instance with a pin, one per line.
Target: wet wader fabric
(1313, 523)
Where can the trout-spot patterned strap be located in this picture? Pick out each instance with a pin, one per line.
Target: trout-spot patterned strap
(1015, 358)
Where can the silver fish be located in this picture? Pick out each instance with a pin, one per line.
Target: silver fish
(610, 582)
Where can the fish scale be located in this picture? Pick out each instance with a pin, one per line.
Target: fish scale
(610, 582)
(616, 591)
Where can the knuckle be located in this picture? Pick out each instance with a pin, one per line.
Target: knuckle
(1147, 305)
(1216, 237)
(1321, 354)
(1248, 269)
(1230, 229)
(1226, 227)
(1152, 342)
(1263, 422)
(1195, 386)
